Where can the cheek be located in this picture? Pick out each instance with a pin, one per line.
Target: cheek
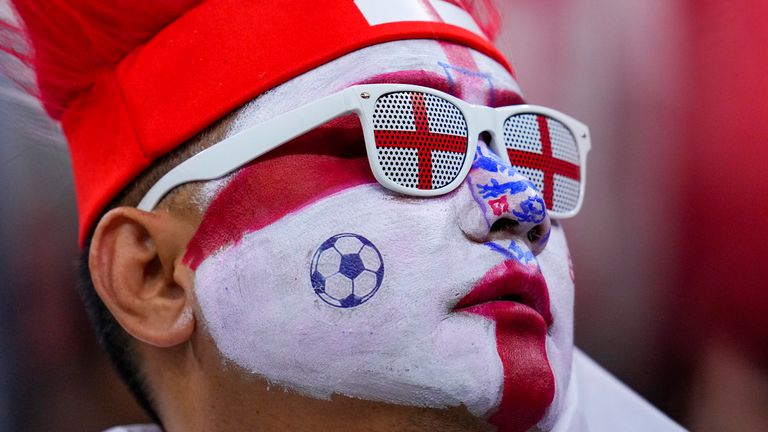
(293, 303)
(554, 263)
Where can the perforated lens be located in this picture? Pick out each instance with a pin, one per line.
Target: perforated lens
(421, 139)
(545, 150)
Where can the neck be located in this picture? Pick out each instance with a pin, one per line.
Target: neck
(195, 390)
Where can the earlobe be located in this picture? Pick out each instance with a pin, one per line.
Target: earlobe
(135, 263)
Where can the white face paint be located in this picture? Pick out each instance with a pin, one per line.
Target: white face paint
(405, 344)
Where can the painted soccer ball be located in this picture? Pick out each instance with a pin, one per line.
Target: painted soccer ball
(346, 270)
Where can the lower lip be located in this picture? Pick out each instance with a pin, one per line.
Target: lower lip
(529, 384)
(521, 316)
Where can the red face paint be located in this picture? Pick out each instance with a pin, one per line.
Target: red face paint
(318, 164)
(415, 77)
(515, 297)
(496, 97)
(459, 56)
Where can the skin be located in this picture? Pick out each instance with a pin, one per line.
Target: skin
(141, 270)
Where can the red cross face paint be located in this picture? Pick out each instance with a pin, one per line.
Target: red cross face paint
(311, 275)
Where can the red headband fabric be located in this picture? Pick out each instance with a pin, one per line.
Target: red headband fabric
(216, 57)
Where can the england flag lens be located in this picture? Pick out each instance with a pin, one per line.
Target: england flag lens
(421, 139)
(544, 150)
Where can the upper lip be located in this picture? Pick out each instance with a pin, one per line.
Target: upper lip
(511, 281)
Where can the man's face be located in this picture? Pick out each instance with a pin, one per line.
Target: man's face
(311, 275)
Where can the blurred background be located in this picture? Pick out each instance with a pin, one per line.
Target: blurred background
(667, 250)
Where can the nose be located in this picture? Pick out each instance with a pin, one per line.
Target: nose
(500, 203)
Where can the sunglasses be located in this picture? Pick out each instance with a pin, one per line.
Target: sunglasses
(419, 141)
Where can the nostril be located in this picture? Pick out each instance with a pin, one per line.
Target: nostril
(485, 137)
(538, 236)
(534, 234)
(504, 225)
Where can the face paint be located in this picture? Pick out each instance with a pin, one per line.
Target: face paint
(347, 270)
(399, 347)
(280, 185)
(265, 231)
(521, 329)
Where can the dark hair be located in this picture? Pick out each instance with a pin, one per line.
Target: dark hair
(114, 340)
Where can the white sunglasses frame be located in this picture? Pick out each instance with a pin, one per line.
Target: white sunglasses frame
(232, 153)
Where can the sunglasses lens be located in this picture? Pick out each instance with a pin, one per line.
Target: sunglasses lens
(421, 139)
(545, 150)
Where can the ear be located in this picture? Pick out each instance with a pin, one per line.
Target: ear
(136, 265)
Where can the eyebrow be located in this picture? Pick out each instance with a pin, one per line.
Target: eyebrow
(340, 137)
(502, 97)
(415, 77)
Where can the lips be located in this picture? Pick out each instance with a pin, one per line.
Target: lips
(509, 288)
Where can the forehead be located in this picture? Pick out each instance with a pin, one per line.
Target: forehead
(455, 69)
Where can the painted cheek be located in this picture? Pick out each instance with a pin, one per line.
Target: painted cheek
(265, 191)
(398, 347)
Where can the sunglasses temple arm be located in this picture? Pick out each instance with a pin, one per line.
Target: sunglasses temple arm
(234, 152)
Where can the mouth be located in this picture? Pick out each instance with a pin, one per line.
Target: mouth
(509, 288)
